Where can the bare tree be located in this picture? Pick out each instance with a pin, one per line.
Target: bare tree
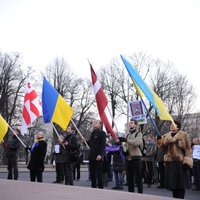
(173, 88)
(12, 81)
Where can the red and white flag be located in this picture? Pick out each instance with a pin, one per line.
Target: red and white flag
(32, 107)
(102, 103)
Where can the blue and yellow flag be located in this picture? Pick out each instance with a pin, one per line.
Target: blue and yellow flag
(3, 128)
(157, 103)
(54, 107)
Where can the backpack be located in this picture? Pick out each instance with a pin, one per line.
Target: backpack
(143, 150)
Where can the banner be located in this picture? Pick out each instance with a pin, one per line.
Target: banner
(136, 111)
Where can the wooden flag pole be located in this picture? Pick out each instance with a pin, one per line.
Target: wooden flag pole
(57, 134)
(80, 134)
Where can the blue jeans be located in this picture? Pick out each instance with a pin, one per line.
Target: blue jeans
(119, 179)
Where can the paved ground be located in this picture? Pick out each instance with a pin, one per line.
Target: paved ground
(49, 176)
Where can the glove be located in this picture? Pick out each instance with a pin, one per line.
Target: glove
(186, 167)
(122, 139)
(27, 149)
(159, 137)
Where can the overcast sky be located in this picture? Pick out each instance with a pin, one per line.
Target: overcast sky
(100, 30)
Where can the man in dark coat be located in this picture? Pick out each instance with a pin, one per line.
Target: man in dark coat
(70, 146)
(97, 143)
(12, 148)
(38, 152)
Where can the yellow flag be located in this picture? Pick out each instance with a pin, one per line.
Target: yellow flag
(3, 128)
(141, 94)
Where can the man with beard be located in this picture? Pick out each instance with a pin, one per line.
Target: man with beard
(134, 143)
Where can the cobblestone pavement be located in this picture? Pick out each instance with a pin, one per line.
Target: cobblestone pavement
(49, 176)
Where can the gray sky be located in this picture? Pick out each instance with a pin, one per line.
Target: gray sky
(41, 30)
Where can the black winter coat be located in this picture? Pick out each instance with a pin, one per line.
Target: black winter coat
(97, 144)
(38, 153)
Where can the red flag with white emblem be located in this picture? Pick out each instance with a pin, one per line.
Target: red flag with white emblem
(32, 107)
(102, 103)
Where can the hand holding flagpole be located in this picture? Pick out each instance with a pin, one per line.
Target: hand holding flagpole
(80, 134)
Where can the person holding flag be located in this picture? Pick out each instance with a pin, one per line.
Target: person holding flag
(12, 148)
(178, 159)
(38, 152)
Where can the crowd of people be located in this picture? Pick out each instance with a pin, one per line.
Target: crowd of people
(171, 160)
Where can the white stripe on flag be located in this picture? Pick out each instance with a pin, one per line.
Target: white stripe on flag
(96, 87)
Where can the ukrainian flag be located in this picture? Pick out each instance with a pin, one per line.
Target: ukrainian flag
(3, 128)
(55, 108)
(143, 89)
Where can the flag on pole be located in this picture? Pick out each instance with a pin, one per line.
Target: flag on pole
(54, 107)
(157, 103)
(32, 107)
(102, 103)
(3, 128)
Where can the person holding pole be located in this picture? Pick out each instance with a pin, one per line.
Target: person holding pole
(134, 144)
(70, 146)
(38, 153)
(12, 148)
(178, 159)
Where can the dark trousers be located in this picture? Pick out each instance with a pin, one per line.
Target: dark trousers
(161, 173)
(148, 166)
(134, 169)
(196, 173)
(68, 171)
(96, 173)
(76, 171)
(12, 167)
(59, 172)
(178, 193)
(36, 175)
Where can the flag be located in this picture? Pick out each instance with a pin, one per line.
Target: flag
(157, 103)
(3, 128)
(32, 107)
(102, 103)
(54, 107)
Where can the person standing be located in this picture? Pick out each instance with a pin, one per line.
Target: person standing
(178, 159)
(38, 153)
(58, 157)
(159, 157)
(70, 146)
(97, 143)
(134, 142)
(149, 158)
(196, 162)
(118, 166)
(12, 148)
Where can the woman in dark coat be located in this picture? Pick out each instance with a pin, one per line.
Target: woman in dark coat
(178, 159)
(38, 152)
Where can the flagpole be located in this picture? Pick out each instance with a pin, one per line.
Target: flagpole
(80, 133)
(152, 121)
(17, 136)
(56, 131)
(112, 119)
(57, 134)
